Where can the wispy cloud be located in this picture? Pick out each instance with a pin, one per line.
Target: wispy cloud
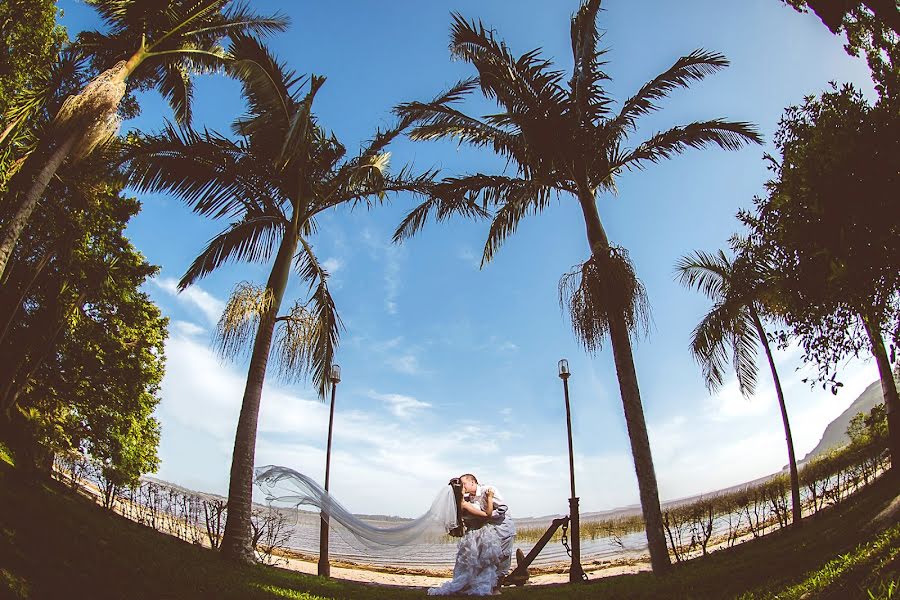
(404, 407)
(390, 256)
(194, 296)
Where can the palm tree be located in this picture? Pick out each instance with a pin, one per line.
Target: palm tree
(738, 290)
(150, 44)
(567, 141)
(271, 184)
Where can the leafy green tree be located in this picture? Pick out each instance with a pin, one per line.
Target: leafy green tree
(872, 27)
(567, 140)
(869, 428)
(739, 291)
(30, 40)
(147, 45)
(83, 345)
(828, 225)
(271, 184)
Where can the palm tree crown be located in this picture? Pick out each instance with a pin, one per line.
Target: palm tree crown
(735, 287)
(172, 40)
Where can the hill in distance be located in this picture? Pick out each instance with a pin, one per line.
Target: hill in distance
(835, 434)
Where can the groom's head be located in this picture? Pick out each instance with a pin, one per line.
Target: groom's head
(469, 483)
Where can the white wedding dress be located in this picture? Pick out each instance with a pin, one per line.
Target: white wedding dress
(483, 555)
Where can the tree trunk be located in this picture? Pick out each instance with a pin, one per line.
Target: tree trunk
(631, 403)
(13, 229)
(797, 512)
(237, 542)
(888, 387)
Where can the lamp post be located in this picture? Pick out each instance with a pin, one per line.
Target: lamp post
(576, 573)
(324, 566)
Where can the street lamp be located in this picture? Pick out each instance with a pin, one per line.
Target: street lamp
(576, 573)
(324, 566)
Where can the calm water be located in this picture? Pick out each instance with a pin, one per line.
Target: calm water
(440, 555)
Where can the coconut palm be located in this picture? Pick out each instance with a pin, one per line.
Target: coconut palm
(738, 291)
(154, 44)
(567, 141)
(271, 184)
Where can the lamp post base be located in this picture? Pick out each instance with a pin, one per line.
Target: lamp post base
(576, 573)
(324, 565)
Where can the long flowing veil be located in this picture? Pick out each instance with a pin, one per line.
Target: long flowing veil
(286, 486)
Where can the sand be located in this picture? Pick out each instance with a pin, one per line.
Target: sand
(406, 578)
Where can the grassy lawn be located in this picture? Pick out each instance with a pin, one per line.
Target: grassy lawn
(54, 544)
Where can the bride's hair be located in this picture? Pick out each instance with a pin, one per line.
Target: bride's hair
(469, 476)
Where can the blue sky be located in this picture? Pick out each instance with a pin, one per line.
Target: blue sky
(448, 368)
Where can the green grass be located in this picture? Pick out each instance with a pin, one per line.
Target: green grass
(870, 570)
(55, 544)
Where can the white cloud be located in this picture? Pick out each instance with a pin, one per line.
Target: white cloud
(332, 265)
(401, 406)
(187, 329)
(194, 296)
(406, 363)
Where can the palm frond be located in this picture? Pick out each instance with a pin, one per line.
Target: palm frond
(687, 69)
(437, 120)
(214, 175)
(301, 131)
(725, 134)
(372, 186)
(443, 208)
(520, 85)
(602, 288)
(324, 335)
(269, 86)
(529, 197)
(709, 273)
(176, 87)
(590, 100)
(744, 345)
(709, 347)
(252, 240)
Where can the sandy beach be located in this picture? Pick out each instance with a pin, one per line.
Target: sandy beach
(426, 579)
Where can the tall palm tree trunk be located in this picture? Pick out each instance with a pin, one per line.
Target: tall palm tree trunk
(633, 408)
(640, 445)
(237, 543)
(797, 513)
(888, 387)
(13, 229)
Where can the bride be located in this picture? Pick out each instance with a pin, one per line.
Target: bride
(485, 551)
